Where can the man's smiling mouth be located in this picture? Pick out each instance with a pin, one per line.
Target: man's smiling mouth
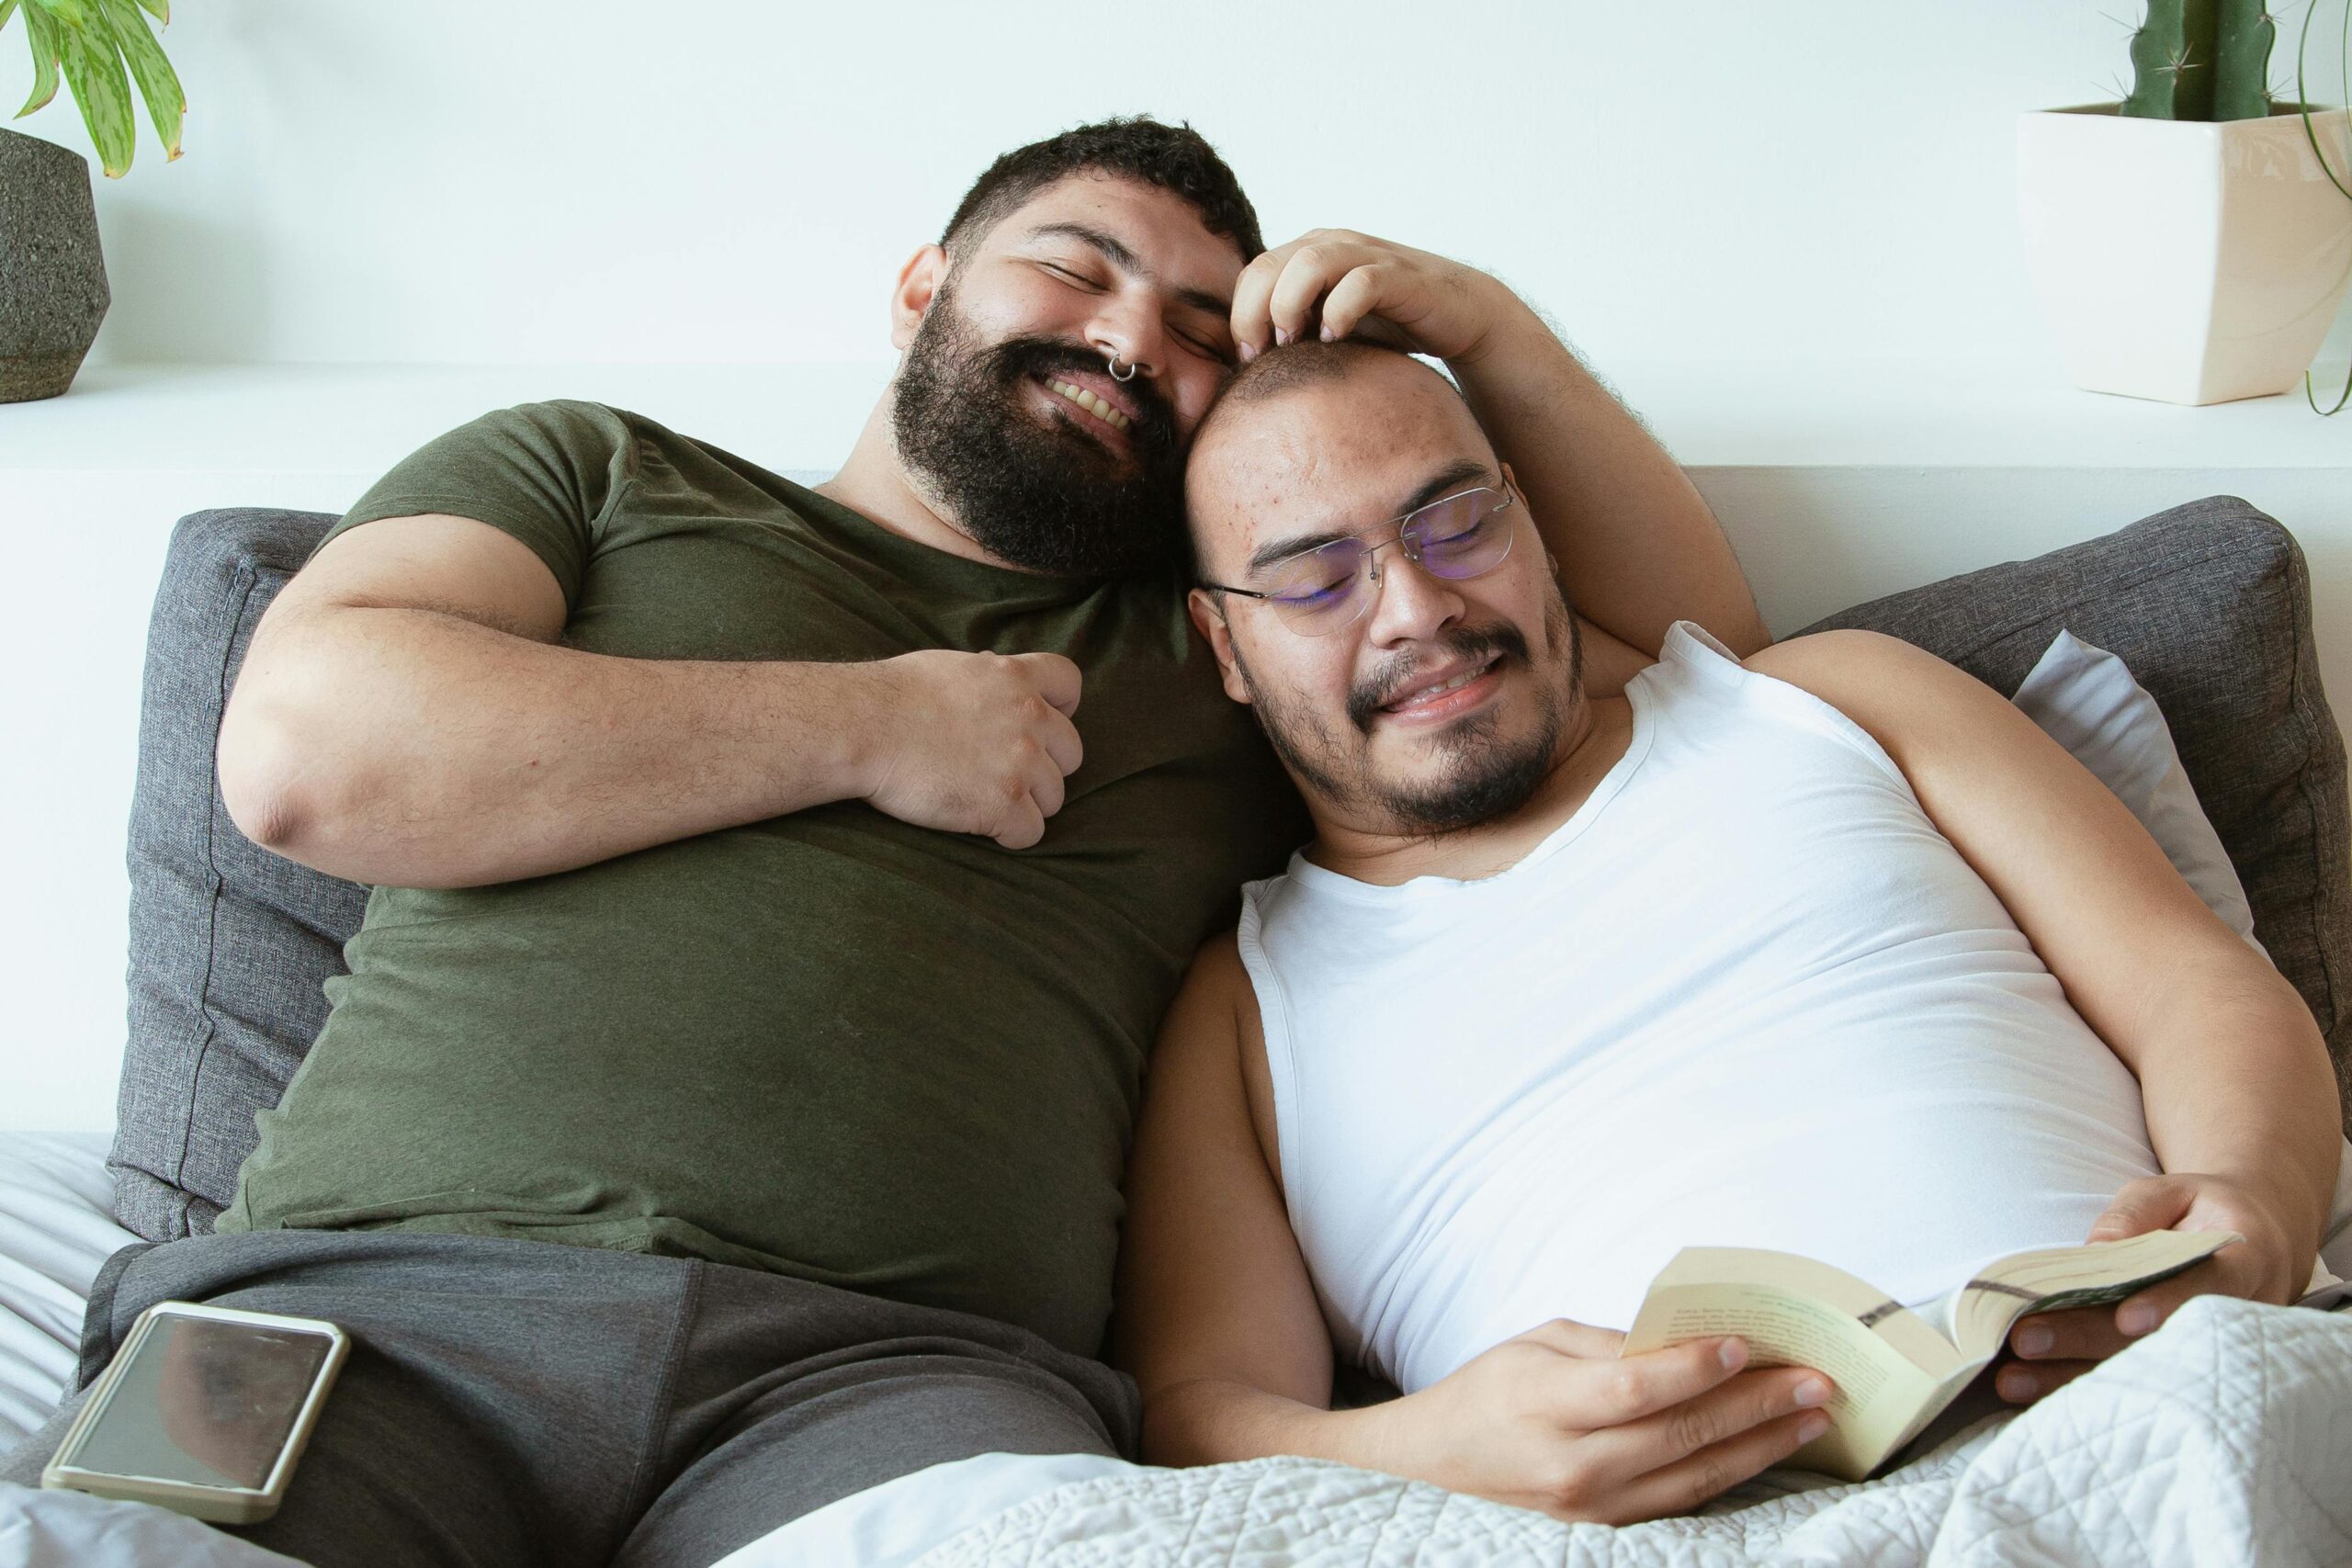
(1428, 694)
(1086, 401)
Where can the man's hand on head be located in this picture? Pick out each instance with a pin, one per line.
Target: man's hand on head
(2272, 1264)
(1336, 283)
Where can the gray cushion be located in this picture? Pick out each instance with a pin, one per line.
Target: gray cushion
(2209, 604)
(231, 945)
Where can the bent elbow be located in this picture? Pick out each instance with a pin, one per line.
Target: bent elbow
(262, 782)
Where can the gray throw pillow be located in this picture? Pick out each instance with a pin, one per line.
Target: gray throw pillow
(229, 943)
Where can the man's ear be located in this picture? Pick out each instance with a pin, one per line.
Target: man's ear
(1509, 478)
(918, 281)
(1210, 619)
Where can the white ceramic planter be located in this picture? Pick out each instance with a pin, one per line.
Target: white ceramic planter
(2184, 261)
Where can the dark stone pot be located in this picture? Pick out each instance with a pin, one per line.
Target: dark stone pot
(53, 289)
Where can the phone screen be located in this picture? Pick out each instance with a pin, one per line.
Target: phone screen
(204, 1402)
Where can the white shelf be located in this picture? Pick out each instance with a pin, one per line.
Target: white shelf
(359, 419)
(1967, 414)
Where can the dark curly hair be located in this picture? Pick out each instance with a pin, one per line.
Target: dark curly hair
(1175, 157)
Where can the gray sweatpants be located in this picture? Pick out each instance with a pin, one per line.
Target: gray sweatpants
(512, 1402)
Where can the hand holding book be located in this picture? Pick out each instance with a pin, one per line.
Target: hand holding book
(2268, 1264)
(1556, 1420)
(1895, 1367)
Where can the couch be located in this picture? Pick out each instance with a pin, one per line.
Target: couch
(2208, 604)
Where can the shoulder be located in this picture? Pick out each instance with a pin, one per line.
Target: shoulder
(1882, 682)
(1214, 1035)
(1838, 656)
(557, 435)
(1219, 996)
(561, 416)
(1218, 968)
(1946, 730)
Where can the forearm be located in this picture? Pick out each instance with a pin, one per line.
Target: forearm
(2236, 1081)
(1637, 546)
(422, 749)
(1213, 1420)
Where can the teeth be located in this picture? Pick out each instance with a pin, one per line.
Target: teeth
(1090, 404)
(1442, 687)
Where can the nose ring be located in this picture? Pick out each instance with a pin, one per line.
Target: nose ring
(1113, 356)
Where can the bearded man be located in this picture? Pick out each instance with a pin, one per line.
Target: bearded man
(775, 889)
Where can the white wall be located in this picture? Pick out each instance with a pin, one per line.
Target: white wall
(449, 180)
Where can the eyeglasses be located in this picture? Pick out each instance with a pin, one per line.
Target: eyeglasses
(1327, 589)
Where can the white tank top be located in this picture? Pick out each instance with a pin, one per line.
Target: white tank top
(1746, 996)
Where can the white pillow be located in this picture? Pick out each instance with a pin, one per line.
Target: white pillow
(2084, 699)
(56, 1232)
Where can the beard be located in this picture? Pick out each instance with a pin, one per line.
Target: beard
(1040, 495)
(1487, 775)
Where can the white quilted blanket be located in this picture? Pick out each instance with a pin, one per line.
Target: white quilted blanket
(2225, 1437)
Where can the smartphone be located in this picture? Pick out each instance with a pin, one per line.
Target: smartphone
(203, 1410)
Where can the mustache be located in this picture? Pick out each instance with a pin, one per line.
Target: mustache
(1014, 359)
(1504, 642)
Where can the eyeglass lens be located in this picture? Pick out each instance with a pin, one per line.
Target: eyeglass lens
(1457, 537)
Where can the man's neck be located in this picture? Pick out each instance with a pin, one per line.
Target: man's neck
(1598, 738)
(876, 484)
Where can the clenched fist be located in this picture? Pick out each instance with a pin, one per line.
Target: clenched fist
(974, 742)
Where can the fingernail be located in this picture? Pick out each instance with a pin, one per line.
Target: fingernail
(1813, 1391)
(1733, 1353)
(2015, 1386)
(1249, 351)
(1326, 334)
(2035, 1341)
(1811, 1428)
(2137, 1318)
(1282, 337)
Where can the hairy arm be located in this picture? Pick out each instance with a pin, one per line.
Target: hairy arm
(1638, 548)
(2232, 1071)
(406, 715)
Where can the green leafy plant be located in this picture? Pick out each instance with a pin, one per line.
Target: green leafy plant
(90, 42)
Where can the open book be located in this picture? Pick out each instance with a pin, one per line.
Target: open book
(1896, 1367)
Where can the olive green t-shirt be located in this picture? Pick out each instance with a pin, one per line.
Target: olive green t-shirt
(829, 1045)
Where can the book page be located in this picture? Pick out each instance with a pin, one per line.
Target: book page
(1941, 1313)
(1792, 1274)
(1881, 1392)
(2061, 1279)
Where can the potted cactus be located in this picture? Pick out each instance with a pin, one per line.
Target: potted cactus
(53, 289)
(2191, 242)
